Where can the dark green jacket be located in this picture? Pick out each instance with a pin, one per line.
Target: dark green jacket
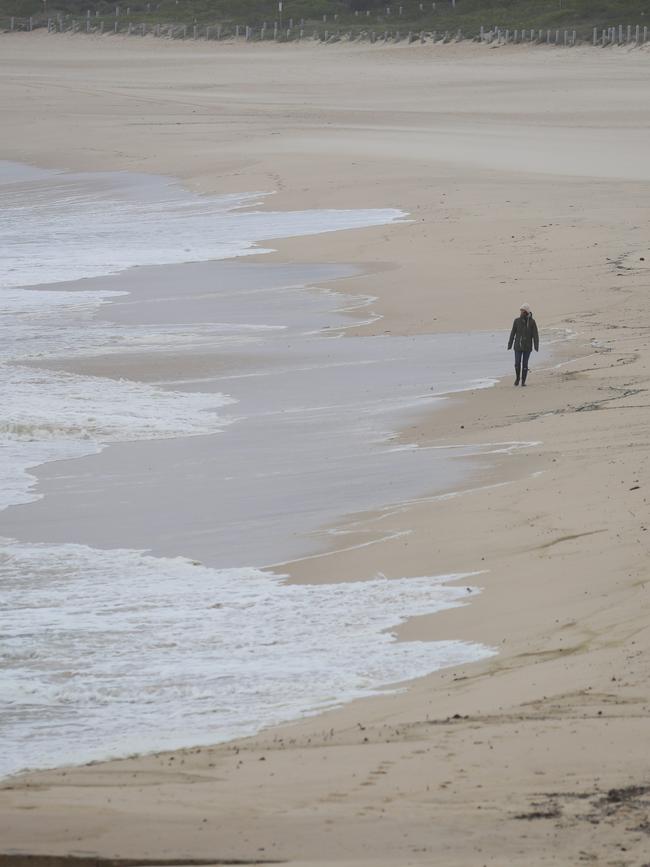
(524, 334)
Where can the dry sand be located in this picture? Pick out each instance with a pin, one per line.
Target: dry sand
(527, 176)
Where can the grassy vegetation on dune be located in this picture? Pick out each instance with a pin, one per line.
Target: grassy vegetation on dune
(467, 15)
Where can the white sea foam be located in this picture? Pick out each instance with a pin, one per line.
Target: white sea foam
(47, 415)
(40, 325)
(110, 652)
(60, 226)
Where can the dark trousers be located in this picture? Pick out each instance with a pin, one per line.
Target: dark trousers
(520, 357)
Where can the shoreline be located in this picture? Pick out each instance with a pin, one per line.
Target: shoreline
(75, 499)
(503, 468)
(515, 758)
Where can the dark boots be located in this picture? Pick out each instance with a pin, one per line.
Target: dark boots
(521, 374)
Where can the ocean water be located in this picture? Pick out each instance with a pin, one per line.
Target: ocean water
(177, 654)
(106, 648)
(60, 226)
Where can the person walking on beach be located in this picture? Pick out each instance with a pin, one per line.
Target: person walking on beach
(523, 337)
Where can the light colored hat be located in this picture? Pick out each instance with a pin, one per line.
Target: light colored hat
(525, 307)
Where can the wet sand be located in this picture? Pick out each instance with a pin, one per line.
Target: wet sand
(526, 171)
(309, 438)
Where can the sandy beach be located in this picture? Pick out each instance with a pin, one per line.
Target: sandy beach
(526, 177)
